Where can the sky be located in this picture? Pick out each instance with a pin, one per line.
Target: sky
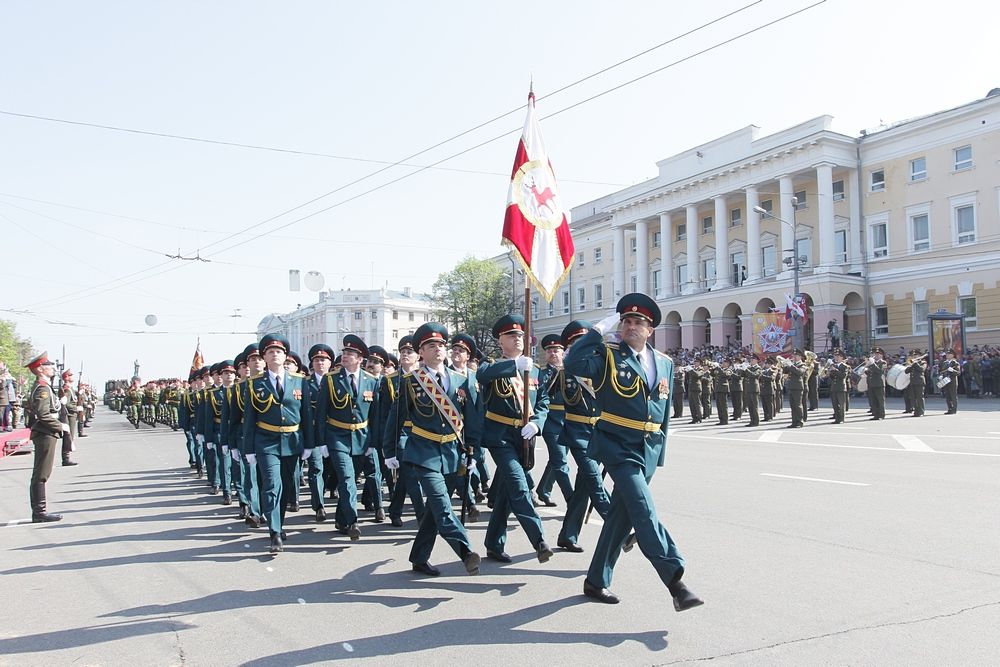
(344, 93)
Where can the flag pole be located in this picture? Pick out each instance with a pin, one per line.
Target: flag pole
(527, 443)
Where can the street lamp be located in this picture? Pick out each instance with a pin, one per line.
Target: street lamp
(794, 260)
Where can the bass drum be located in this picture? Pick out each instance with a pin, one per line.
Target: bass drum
(898, 377)
(863, 383)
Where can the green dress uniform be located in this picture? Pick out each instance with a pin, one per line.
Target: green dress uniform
(392, 439)
(315, 473)
(46, 430)
(875, 372)
(275, 431)
(814, 386)
(918, 383)
(706, 393)
(250, 474)
(951, 369)
(838, 374)
(767, 392)
(736, 394)
(630, 440)
(72, 419)
(185, 419)
(500, 385)
(220, 470)
(342, 414)
(795, 375)
(722, 376)
(751, 393)
(434, 449)
(557, 468)
(677, 395)
(694, 394)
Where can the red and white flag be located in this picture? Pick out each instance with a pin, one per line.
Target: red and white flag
(535, 227)
(198, 360)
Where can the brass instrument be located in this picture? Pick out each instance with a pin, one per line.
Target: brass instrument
(783, 362)
(810, 356)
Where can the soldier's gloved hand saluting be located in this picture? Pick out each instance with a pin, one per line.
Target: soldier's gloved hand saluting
(608, 323)
(523, 363)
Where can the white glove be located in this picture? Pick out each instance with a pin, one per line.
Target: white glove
(251, 459)
(368, 451)
(210, 446)
(608, 323)
(225, 450)
(63, 400)
(306, 453)
(235, 454)
(523, 363)
(528, 430)
(65, 428)
(324, 451)
(470, 466)
(200, 439)
(392, 464)
(79, 408)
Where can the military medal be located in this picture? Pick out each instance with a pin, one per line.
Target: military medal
(664, 386)
(297, 394)
(368, 396)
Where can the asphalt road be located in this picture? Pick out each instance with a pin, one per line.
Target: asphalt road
(867, 543)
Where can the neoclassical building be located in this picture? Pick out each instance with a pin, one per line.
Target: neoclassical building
(887, 226)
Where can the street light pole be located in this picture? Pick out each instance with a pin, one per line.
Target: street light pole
(794, 258)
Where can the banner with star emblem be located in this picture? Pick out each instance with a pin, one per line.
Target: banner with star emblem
(772, 333)
(535, 226)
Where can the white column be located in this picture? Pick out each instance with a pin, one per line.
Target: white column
(786, 191)
(753, 235)
(642, 257)
(618, 257)
(694, 266)
(721, 244)
(666, 256)
(824, 183)
(854, 231)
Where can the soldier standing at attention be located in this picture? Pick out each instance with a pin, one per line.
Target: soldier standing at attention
(767, 389)
(722, 378)
(42, 417)
(504, 433)
(796, 375)
(677, 395)
(435, 400)
(736, 388)
(951, 369)
(706, 388)
(751, 390)
(693, 380)
(346, 398)
(320, 360)
(275, 429)
(918, 381)
(74, 415)
(875, 371)
(632, 382)
(838, 374)
(551, 379)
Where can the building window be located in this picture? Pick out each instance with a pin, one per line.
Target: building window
(632, 243)
(877, 183)
(656, 282)
(768, 259)
(682, 231)
(920, 229)
(768, 206)
(579, 258)
(878, 235)
(395, 334)
(800, 199)
(708, 333)
(552, 307)
(358, 315)
(967, 307)
(682, 275)
(881, 321)
(427, 317)
(918, 169)
(920, 312)
(963, 158)
(838, 190)
(374, 314)
(656, 239)
(565, 301)
(534, 307)
(840, 246)
(395, 314)
(803, 248)
(634, 281)
(708, 270)
(737, 268)
(598, 255)
(411, 317)
(735, 217)
(581, 298)
(965, 224)
(598, 296)
(706, 225)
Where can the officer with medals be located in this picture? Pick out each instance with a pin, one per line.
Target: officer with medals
(632, 382)
(276, 430)
(320, 361)
(951, 369)
(464, 351)
(551, 379)
(42, 417)
(838, 374)
(345, 399)
(407, 483)
(581, 415)
(504, 433)
(435, 401)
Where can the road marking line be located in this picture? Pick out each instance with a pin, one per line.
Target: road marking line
(595, 518)
(814, 479)
(911, 442)
(15, 522)
(770, 436)
(681, 434)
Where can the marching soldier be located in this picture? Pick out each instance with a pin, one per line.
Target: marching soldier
(185, 419)
(505, 433)
(581, 415)
(172, 398)
(632, 382)
(230, 438)
(706, 389)
(42, 417)
(464, 351)
(815, 367)
(838, 373)
(693, 380)
(133, 401)
(918, 382)
(722, 378)
(320, 361)
(371, 496)
(796, 382)
(345, 399)
(875, 372)
(209, 426)
(951, 369)
(250, 472)
(736, 390)
(275, 429)
(436, 401)
(767, 389)
(677, 395)
(751, 390)
(551, 379)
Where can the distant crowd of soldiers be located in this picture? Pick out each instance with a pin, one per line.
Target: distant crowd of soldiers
(157, 402)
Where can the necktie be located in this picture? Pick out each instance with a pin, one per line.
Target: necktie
(441, 381)
(354, 386)
(277, 384)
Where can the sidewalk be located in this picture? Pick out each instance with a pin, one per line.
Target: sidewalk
(18, 440)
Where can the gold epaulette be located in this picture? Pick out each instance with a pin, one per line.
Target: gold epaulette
(408, 375)
(259, 375)
(613, 346)
(392, 374)
(296, 375)
(366, 373)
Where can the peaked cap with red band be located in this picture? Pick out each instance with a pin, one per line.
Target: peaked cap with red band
(574, 330)
(274, 340)
(428, 332)
(641, 305)
(508, 324)
(40, 360)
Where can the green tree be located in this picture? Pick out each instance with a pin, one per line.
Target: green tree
(471, 298)
(14, 350)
